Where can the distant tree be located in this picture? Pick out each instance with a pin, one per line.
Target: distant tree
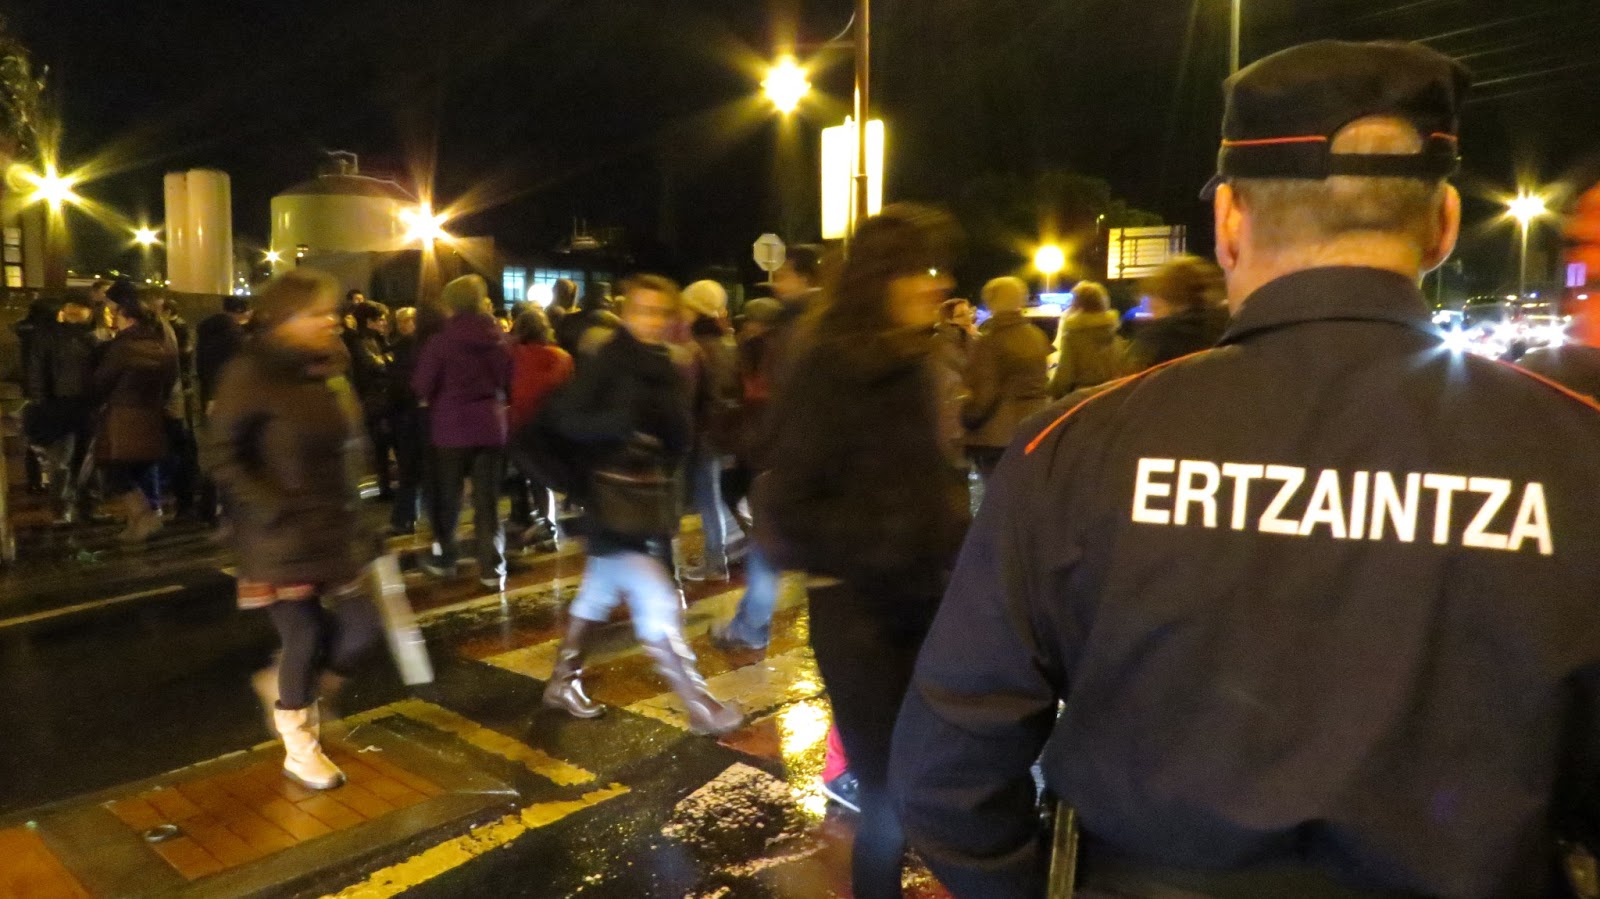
(1007, 215)
(21, 99)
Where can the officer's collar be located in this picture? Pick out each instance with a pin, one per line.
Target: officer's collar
(1334, 293)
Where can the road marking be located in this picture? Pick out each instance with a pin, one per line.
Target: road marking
(452, 854)
(86, 606)
(496, 598)
(468, 731)
(757, 688)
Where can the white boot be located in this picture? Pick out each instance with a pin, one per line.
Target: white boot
(304, 762)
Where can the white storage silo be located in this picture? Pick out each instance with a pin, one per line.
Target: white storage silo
(199, 224)
(340, 212)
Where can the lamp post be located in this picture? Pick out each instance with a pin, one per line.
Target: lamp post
(863, 41)
(1050, 260)
(786, 85)
(53, 189)
(1235, 26)
(1525, 207)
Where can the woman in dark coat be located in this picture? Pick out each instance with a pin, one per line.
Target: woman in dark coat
(286, 445)
(869, 488)
(135, 378)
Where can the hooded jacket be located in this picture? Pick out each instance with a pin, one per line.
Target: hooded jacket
(1090, 353)
(1006, 379)
(464, 376)
(285, 442)
(861, 486)
(135, 378)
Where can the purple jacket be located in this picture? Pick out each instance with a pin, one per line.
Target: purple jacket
(464, 375)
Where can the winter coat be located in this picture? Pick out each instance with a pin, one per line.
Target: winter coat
(626, 390)
(537, 369)
(136, 378)
(581, 332)
(1166, 339)
(370, 372)
(217, 339)
(1090, 352)
(404, 352)
(286, 445)
(60, 381)
(464, 377)
(719, 393)
(1006, 379)
(861, 485)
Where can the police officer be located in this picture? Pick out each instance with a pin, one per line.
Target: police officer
(1318, 605)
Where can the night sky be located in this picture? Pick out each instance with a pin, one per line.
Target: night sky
(643, 113)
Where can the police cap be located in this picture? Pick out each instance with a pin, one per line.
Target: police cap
(1284, 110)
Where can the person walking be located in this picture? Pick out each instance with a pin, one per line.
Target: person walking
(538, 369)
(867, 488)
(1006, 380)
(135, 378)
(629, 411)
(286, 444)
(218, 338)
(1310, 614)
(1088, 351)
(717, 406)
(464, 378)
(1189, 313)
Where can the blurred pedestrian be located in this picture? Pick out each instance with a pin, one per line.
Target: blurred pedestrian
(218, 338)
(958, 331)
(1006, 380)
(134, 380)
(61, 393)
(629, 409)
(464, 377)
(717, 407)
(1309, 614)
(580, 333)
(538, 369)
(766, 356)
(1189, 312)
(866, 488)
(373, 379)
(41, 315)
(285, 443)
(406, 425)
(180, 469)
(1088, 351)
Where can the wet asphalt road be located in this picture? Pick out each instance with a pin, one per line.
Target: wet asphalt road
(128, 665)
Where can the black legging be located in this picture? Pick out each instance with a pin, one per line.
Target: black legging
(317, 639)
(866, 642)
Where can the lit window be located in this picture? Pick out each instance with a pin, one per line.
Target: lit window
(13, 276)
(514, 282)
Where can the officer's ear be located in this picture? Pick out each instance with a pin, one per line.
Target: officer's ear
(1229, 216)
(1447, 229)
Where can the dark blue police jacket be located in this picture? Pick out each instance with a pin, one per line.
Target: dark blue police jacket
(1327, 595)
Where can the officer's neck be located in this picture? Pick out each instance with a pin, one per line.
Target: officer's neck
(1255, 270)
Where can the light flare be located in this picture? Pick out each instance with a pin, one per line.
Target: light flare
(786, 85)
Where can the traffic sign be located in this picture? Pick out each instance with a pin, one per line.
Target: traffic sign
(770, 252)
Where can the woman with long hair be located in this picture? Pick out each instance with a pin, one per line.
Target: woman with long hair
(286, 444)
(135, 378)
(869, 488)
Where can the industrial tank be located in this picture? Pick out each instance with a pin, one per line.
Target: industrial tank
(340, 211)
(199, 224)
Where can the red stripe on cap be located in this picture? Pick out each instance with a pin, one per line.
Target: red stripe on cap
(1113, 386)
(1444, 136)
(1557, 386)
(1270, 141)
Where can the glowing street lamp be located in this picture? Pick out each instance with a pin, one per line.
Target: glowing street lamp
(423, 225)
(1525, 207)
(786, 85)
(145, 237)
(1050, 260)
(273, 257)
(51, 187)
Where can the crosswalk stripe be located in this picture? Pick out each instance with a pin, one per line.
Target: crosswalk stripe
(474, 734)
(452, 854)
(757, 688)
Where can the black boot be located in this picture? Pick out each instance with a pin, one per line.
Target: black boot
(675, 662)
(565, 689)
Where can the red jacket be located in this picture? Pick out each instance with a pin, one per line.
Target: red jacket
(536, 371)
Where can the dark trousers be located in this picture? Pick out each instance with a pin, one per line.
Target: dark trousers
(180, 470)
(487, 468)
(866, 645)
(316, 639)
(383, 442)
(410, 444)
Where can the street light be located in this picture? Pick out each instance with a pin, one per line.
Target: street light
(786, 85)
(1050, 260)
(145, 237)
(423, 225)
(1525, 207)
(273, 256)
(51, 187)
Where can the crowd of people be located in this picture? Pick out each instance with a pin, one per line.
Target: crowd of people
(1279, 695)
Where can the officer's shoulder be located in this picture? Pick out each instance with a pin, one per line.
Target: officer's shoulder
(1103, 403)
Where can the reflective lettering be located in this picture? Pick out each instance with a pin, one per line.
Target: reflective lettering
(1326, 506)
(1272, 521)
(1477, 534)
(1242, 475)
(1188, 494)
(1533, 522)
(1146, 489)
(1358, 505)
(1387, 504)
(1446, 485)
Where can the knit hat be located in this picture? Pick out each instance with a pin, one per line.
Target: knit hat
(707, 298)
(763, 310)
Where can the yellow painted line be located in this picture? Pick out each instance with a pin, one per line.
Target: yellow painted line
(468, 731)
(452, 854)
(757, 688)
(497, 598)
